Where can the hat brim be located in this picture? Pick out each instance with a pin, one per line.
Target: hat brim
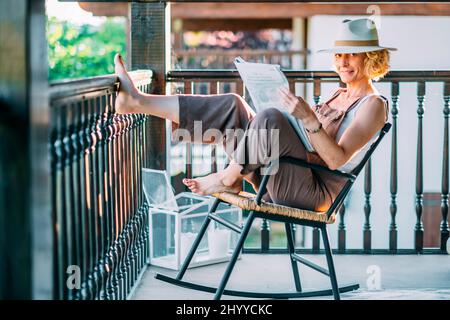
(358, 49)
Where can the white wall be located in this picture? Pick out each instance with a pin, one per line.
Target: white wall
(423, 44)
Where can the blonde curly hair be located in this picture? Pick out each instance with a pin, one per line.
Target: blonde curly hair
(376, 64)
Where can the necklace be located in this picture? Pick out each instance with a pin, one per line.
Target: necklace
(349, 100)
(346, 104)
(353, 97)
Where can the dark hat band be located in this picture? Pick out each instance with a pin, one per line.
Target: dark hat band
(344, 43)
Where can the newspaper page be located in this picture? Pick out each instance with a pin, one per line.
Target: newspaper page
(263, 82)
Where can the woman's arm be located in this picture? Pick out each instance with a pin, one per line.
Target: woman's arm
(368, 120)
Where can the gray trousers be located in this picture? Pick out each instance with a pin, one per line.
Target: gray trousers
(292, 185)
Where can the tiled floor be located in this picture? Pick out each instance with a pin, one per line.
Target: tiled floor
(400, 277)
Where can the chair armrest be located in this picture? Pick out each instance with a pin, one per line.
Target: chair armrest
(306, 164)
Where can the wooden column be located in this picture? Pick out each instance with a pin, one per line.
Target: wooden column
(298, 42)
(26, 231)
(150, 49)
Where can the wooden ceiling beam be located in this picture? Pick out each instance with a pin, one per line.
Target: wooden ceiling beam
(119, 9)
(235, 24)
(287, 10)
(209, 10)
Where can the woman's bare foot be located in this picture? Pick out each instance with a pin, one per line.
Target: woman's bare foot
(127, 99)
(214, 183)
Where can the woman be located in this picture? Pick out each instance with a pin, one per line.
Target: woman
(340, 130)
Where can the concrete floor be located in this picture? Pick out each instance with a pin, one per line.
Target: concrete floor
(416, 277)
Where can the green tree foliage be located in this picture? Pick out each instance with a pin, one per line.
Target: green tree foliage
(77, 51)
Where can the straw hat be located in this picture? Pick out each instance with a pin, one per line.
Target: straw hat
(356, 36)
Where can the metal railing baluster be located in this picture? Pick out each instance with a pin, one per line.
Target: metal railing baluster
(341, 229)
(445, 172)
(418, 228)
(393, 235)
(367, 232)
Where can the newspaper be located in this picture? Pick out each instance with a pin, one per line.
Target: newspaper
(262, 82)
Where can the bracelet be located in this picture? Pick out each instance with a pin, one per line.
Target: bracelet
(315, 130)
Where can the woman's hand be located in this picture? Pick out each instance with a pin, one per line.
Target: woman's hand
(296, 106)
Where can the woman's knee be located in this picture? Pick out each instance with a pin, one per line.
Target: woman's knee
(235, 98)
(235, 95)
(271, 115)
(242, 107)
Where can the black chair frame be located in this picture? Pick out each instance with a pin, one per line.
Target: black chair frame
(295, 258)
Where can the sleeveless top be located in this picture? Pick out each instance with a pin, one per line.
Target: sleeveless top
(335, 122)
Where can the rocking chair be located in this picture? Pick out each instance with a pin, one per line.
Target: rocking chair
(261, 209)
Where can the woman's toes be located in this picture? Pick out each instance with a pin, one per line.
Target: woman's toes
(196, 190)
(127, 100)
(189, 183)
(118, 64)
(193, 184)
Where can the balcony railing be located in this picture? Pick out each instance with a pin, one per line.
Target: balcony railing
(314, 83)
(99, 212)
(84, 212)
(223, 59)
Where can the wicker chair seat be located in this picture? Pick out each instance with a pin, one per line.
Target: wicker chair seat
(246, 201)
